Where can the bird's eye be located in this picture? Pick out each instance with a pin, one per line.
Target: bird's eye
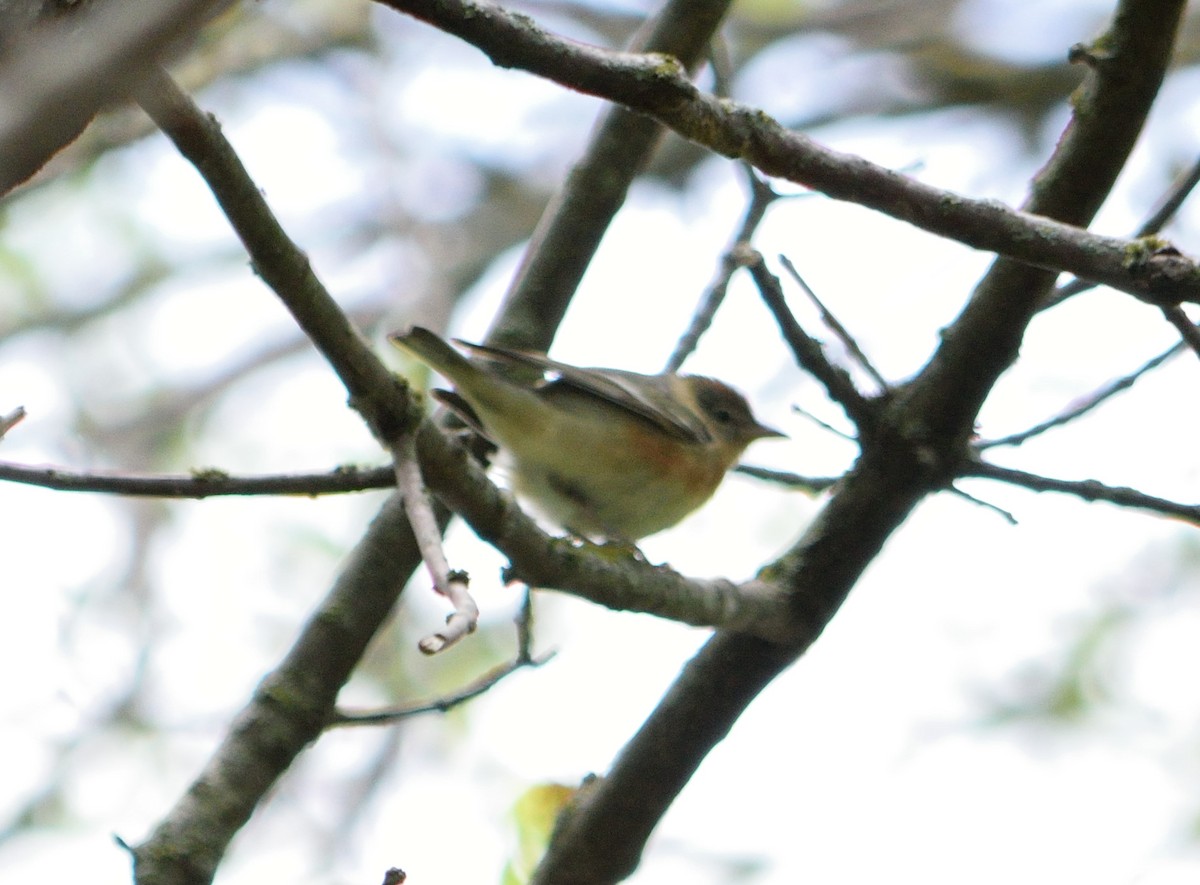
(719, 404)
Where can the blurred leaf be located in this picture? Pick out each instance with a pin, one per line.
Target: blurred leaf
(534, 814)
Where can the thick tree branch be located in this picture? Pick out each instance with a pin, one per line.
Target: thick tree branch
(56, 75)
(1110, 108)
(375, 392)
(288, 711)
(728, 673)
(658, 87)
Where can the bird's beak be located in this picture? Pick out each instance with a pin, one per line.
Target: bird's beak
(762, 431)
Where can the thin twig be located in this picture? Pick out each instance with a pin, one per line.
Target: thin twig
(824, 425)
(835, 326)
(736, 256)
(523, 658)
(202, 483)
(374, 391)
(428, 534)
(1087, 489)
(806, 349)
(1171, 201)
(524, 625)
(986, 505)
(1069, 289)
(1095, 399)
(788, 479)
(347, 718)
(11, 420)
(1187, 329)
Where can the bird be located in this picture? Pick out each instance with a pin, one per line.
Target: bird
(606, 454)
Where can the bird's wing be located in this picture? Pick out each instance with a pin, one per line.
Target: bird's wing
(631, 391)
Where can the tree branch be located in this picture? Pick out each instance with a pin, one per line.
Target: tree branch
(378, 395)
(1188, 330)
(522, 659)
(622, 583)
(60, 74)
(808, 352)
(657, 86)
(1091, 401)
(204, 483)
(1087, 490)
(736, 256)
(1109, 109)
(288, 711)
(443, 704)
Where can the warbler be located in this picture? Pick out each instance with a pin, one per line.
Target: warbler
(603, 453)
